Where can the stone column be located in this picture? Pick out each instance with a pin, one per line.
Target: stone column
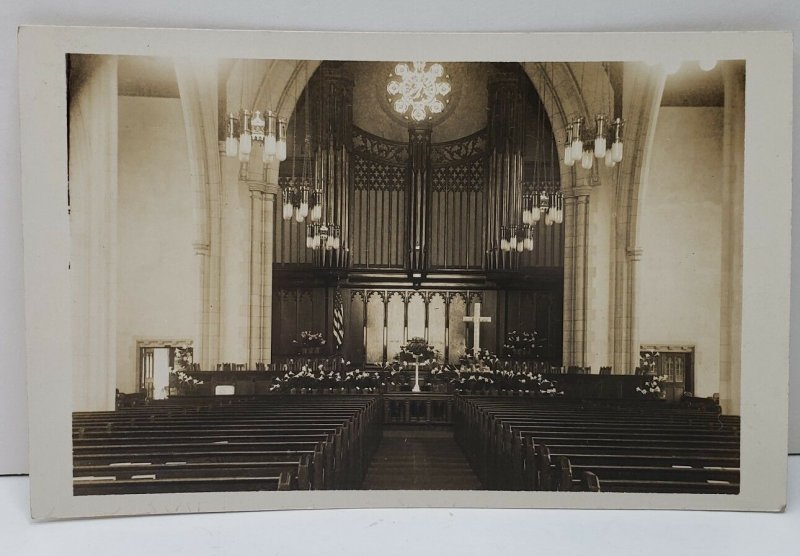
(576, 226)
(643, 90)
(634, 256)
(198, 86)
(268, 227)
(93, 141)
(256, 273)
(732, 229)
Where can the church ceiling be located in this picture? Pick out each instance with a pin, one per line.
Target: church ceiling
(147, 76)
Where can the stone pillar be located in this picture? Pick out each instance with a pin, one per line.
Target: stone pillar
(576, 226)
(732, 229)
(272, 192)
(256, 273)
(93, 141)
(643, 90)
(236, 239)
(198, 88)
(634, 347)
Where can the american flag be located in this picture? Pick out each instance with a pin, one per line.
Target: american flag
(338, 320)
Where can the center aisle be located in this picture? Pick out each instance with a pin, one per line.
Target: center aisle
(421, 458)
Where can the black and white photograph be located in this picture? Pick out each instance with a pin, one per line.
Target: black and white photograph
(492, 275)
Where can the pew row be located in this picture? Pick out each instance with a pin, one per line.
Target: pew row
(273, 443)
(547, 444)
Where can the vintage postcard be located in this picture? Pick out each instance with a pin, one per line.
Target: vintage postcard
(271, 270)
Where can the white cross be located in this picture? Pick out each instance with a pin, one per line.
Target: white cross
(476, 319)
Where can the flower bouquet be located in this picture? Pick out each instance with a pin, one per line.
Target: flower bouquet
(522, 345)
(652, 387)
(417, 349)
(310, 343)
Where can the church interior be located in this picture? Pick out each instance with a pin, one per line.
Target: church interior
(294, 274)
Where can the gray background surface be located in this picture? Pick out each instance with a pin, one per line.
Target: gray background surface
(362, 531)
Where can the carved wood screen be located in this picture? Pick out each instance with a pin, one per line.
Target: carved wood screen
(380, 173)
(295, 310)
(379, 322)
(458, 208)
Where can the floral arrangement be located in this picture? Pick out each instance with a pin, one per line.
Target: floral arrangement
(520, 381)
(479, 358)
(648, 360)
(181, 381)
(308, 378)
(397, 377)
(183, 378)
(310, 339)
(522, 345)
(446, 374)
(652, 387)
(417, 349)
(182, 359)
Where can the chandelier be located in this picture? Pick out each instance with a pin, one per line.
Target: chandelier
(584, 145)
(302, 198)
(259, 127)
(323, 236)
(418, 90)
(542, 202)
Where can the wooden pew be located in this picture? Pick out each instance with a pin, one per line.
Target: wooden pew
(509, 442)
(320, 445)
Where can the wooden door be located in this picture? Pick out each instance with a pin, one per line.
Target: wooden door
(677, 364)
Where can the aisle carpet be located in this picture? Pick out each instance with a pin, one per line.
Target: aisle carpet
(419, 458)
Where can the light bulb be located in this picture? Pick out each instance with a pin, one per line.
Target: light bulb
(568, 155)
(600, 147)
(616, 150)
(548, 220)
(245, 143)
(281, 148)
(266, 157)
(316, 213)
(526, 216)
(298, 216)
(304, 209)
(536, 215)
(609, 159)
(577, 149)
(559, 218)
(280, 136)
(231, 146)
(309, 242)
(270, 145)
(520, 246)
(707, 64)
(587, 160)
(287, 211)
(528, 244)
(504, 245)
(336, 242)
(512, 243)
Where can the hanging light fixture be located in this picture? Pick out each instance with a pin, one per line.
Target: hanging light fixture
(264, 127)
(259, 127)
(585, 145)
(603, 141)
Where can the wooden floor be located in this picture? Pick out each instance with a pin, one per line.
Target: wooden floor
(419, 458)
